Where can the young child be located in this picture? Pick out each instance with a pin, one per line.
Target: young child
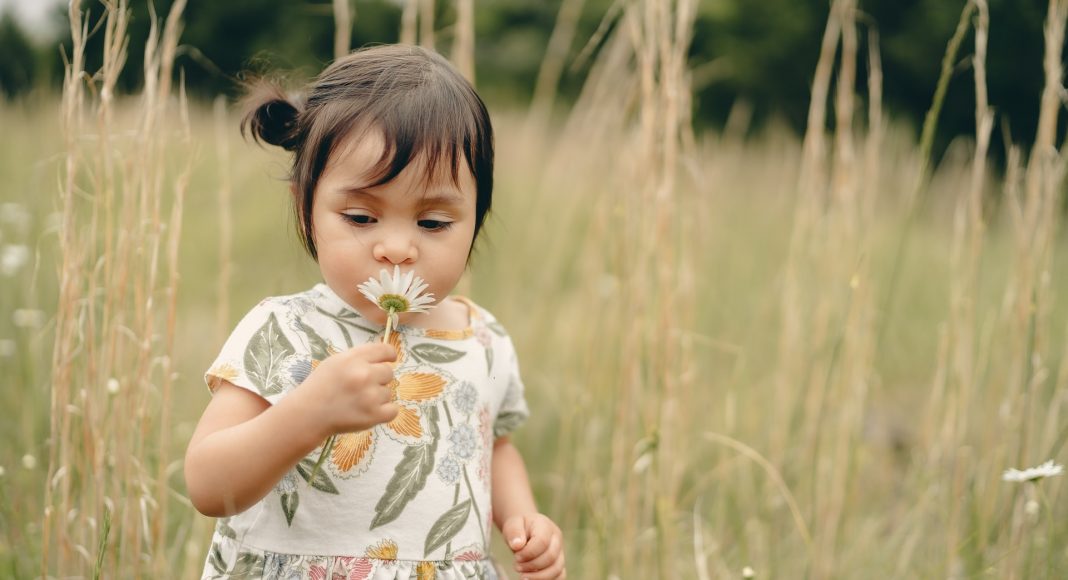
(392, 171)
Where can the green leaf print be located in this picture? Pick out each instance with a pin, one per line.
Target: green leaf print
(408, 480)
(348, 317)
(489, 360)
(436, 353)
(497, 328)
(290, 501)
(264, 355)
(225, 530)
(322, 480)
(248, 566)
(448, 525)
(216, 559)
(320, 349)
(507, 422)
(410, 475)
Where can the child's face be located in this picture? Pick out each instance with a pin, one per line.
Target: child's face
(420, 225)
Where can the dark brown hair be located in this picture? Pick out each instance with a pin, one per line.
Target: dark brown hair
(423, 107)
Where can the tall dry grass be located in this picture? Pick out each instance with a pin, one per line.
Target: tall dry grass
(110, 479)
(810, 358)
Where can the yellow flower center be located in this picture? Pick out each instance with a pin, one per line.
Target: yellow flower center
(393, 303)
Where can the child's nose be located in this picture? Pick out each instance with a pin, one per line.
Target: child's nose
(396, 248)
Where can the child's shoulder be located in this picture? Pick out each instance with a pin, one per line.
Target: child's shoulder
(480, 316)
(296, 312)
(297, 303)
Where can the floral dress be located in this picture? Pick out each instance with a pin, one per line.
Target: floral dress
(404, 499)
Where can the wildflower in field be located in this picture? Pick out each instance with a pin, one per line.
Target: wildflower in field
(1047, 469)
(2, 471)
(12, 258)
(397, 294)
(29, 461)
(14, 213)
(748, 572)
(28, 318)
(113, 385)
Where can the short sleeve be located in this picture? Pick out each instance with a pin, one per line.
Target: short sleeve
(260, 355)
(513, 411)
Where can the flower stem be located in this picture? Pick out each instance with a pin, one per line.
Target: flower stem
(322, 456)
(389, 323)
(329, 445)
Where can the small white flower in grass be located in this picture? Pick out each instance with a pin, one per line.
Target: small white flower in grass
(12, 258)
(28, 318)
(113, 385)
(14, 213)
(2, 471)
(1047, 469)
(748, 572)
(29, 461)
(397, 293)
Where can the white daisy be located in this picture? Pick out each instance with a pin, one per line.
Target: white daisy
(397, 293)
(1047, 469)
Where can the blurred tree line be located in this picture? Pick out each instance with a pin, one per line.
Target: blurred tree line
(754, 58)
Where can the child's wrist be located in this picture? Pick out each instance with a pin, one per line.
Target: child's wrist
(302, 420)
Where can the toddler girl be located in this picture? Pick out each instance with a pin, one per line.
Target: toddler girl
(392, 178)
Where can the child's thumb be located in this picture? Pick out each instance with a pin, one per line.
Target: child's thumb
(514, 533)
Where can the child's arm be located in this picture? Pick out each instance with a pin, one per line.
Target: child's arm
(243, 446)
(534, 538)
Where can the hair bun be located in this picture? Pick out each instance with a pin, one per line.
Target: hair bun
(272, 118)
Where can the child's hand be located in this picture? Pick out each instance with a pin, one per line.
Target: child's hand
(538, 546)
(349, 391)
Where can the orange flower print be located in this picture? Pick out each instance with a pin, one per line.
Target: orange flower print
(352, 451)
(384, 550)
(413, 388)
(223, 372)
(425, 571)
(398, 345)
(449, 334)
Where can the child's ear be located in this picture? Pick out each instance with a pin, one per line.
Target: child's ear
(293, 187)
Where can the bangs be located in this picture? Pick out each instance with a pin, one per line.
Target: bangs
(438, 148)
(440, 123)
(424, 110)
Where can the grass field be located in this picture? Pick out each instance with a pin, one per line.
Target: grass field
(811, 358)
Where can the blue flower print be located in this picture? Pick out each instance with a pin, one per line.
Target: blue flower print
(465, 398)
(464, 441)
(449, 470)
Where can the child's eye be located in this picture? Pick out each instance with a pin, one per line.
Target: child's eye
(359, 218)
(434, 225)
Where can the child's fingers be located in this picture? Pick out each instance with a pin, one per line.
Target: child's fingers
(380, 373)
(544, 560)
(538, 534)
(555, 571)
(388, 412)
(375, 352)
(515, 533)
